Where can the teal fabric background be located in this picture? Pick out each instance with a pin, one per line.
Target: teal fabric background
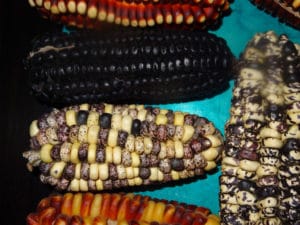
(237, 29)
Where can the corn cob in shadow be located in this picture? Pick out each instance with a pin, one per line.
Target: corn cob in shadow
(287, 11)
(96, 13)
(102, 146)
(119, 209)
(128, 66)
(260, 182)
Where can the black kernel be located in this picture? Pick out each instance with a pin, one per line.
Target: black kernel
(105, 120)
(82, 116)
(144, 173)
(177, 164)
(136, 127)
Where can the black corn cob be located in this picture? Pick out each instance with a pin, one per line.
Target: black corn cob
(98, 13)
(129, 66)
(102, 146)
(260, 179)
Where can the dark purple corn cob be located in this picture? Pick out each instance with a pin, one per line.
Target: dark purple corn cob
(128, 66)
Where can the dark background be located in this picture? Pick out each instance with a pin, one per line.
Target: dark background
(21, 190)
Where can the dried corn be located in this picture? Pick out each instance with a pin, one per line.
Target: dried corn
(102, 146)
(95, 13)
(120, 209)
(260, 179)
(286, 10)
(144, 66)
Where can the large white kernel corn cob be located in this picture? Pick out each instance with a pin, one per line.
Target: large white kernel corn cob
(260, 182)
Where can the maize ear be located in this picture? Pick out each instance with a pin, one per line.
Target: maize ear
(287, 11)
(103, 146)
(144, 66)
(260, 179)
(96, 13)
(120, 209)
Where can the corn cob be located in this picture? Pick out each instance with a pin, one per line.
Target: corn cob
(287, 11)
(95, 13)
(102, 146)
(145, 66)
(120, 209)
(260, 183)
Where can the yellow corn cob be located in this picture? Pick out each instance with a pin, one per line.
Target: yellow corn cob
(120, 209)
(260, 183)
(103, 146)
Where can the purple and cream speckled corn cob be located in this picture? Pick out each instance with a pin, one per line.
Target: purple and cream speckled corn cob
(103, 146)
(260, 179)
(93, 13)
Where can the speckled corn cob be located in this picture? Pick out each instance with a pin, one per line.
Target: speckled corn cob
(94, 13)
(97, 147)
(260, 179)
(129, 66)
(287, 11)
(119, 209)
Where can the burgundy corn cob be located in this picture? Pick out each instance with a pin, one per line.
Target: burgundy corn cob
(260, 182)
(92, 13)
(103, 146)
(287, 11)
(119, 209)
(128, 66)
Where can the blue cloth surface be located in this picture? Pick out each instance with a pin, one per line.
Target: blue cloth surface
(237, 29)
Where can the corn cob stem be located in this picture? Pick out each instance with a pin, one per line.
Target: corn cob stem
(102, 146)
(92, 14)
(149, 66)
(123, 209)
(256, 186)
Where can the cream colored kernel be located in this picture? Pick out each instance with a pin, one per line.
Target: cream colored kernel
(45, 153)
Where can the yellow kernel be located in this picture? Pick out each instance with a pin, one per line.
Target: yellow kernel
(33, 130)
(210, 165)
(91, 157)
(117, 153)
(74, 185)
(70, 117)
(96, 204)
(108, 154)
(188, 132)
(92, 136)
(126, 123)
(153, 174)
(74, 152)
(148, 145)
(83, 185)
(112, 138)
(178, 119)
(178, 149)
(161, 119)
(116, 121)
(129, 172)
(93, 119)
(175, 175)
(76, 204)
(45, 153)
(78, 171)
(57, 169)
(135, 159)
(99, 185)
(94, 171)
(83, 133)
(103, 171)
(142, 114)
(108, 108)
